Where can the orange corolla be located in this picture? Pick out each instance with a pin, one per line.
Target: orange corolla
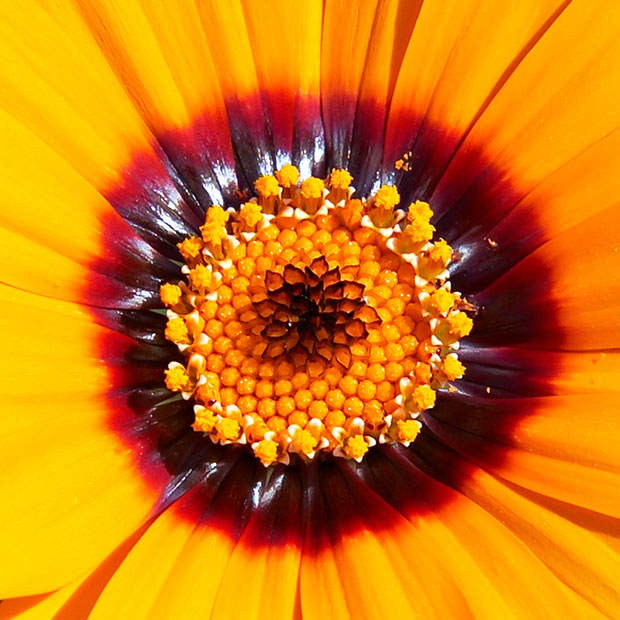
(280, 488)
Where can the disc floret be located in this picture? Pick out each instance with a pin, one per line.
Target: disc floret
(312, 322)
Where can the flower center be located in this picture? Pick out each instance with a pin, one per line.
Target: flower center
(314, 322)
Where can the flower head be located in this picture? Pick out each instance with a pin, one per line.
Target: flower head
(309, 310)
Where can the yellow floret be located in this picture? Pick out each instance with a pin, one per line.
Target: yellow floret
(340, 179)
(407, 430)
(217, 215)
(419, 210)
(419, 231)
(227, 429)
(251, 214)
(423, 397)
(210, 390)
(177, 379)
(441, 252)
(267, 186)
(460, 324)
(386, 198)
(312, 188)
(442, 300)
(213, 233)
(267, 451)
(204, 420)
(452, 368)
(176, 331)
(170, 294)
(356, 446)
(190, 247)
(352, 212)
(304, 442)
(287, 176)
(200, 277)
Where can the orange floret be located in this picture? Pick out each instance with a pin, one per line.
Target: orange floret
(170, 294)
(287, 176)
(267, 451)
(356, 446)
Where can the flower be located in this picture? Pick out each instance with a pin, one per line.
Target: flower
(123, 121)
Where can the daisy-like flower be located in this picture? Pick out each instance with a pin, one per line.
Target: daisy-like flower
(310, 310)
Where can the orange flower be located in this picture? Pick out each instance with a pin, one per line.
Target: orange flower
(122, 123)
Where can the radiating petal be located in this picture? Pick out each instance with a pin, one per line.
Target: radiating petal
(289, 82)
(71, 492)
(347, 29)
(173, 85)
(574, 308)
(468, 50)
(536, 123)
(558, 542)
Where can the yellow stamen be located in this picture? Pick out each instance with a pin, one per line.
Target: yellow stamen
(267, 186)
(205, 420)
(170, 294)
(217, 215)
(177, 379)
(340, 179)
(460, 325)
(288, 176)
(383, 204)
(266, 451)
(312, 188)
(268, 192)
(227, 429)
(419, 210)
(452, 368)
(419, 231)
(407, 430)
(250, 215)
(200, 277)
(177, 332)
(440, 252)
(441, 301)
(356, 446)
(213, 233)
(304, 442)
(387, 198)
(190, 248)
(423, 397)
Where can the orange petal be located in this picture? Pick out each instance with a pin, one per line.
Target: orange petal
(134, 587)
(289, 81)
(579, 558)
(392, 28)
(578, 309)
(173, 86)
(62, 89)
(574, 468)
(52, 237)
(229, 41)
(71, 489)
(347, 29)
(266, 558)
(469, 50)
(533, 126)
(494, 583)
(39, 606)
